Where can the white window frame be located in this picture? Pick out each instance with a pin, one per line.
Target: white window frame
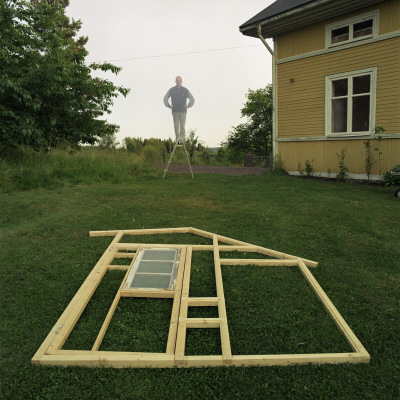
(328, 102)
(374, 15)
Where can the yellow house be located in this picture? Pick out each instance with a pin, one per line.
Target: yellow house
(336, 77)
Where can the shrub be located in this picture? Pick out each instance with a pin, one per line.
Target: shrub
(278, 167)
(151, 156)
(342, 174)
(390, 179)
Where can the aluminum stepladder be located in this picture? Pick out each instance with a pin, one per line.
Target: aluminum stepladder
(179, 143)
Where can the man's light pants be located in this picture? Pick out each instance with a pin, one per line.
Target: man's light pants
(179, 125)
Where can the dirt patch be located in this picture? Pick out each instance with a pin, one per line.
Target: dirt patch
(207, 169)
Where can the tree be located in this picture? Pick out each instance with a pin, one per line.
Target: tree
(47, 93)
(133, 145)
(108, 142)
(255, 135)
(191, 142)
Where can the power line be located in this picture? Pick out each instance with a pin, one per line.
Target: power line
(188, 52)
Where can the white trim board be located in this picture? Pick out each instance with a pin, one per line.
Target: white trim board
(332, 175)
(341, 137)
(385, 36)
(374, 15)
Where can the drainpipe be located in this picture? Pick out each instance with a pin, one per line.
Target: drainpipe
(274, 95)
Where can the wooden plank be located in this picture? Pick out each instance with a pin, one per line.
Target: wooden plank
(108, 360)
(235, 242)
(202, 301)
(124, 255)
(136, 246)
(261, 262)
(106, 323)
(203, 323)
(181, 335)
(111, 310)
(225, 342)
(62, 328)
(173, 325)
(154, 360)
(200, 232)
(118, 267)
(139, 231)
(103, 233)
(155, 231)
(180, 342)
(151, 294)
(275, 360)
(333, 312)
(101, 353)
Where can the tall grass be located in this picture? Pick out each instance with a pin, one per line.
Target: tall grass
(27, 169)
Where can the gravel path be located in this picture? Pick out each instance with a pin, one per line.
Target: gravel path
(206, 169)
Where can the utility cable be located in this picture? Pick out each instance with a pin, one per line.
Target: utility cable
(188, 52)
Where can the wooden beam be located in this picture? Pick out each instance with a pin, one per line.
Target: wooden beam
(333, 312)
(225, 342)
(124, 255)
(159, 294)
(202, 301)
(63, 327)
(106, 323)
(140, 231)
(155, 231)
(173, 325)
(203, 323)
(156, 360)
(103, 233)
(200, 232)
(181, 334)
(136, 246)
(111, 311)
(262, 250)
(114, 361)
(261, 262)
(118, 267)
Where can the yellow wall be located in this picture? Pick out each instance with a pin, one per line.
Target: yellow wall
(324, 155)
(301, 105)
(312, 38)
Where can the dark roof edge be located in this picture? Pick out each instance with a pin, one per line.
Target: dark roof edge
(284, 14)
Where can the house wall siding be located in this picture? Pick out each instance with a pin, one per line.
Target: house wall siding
(323, 155)
(301, 104)
(312, 37)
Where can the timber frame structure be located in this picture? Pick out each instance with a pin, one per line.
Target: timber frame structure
(51, 353)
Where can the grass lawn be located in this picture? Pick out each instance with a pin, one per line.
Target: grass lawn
(352, 230)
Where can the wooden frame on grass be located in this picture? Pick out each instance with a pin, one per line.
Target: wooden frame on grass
(51, 352)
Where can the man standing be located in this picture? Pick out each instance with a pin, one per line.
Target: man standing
(179, 96)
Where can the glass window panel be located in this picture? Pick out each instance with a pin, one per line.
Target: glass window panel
(361, 114)
(151, 281)
(159, 255)
(340, 35)
(363, 28)
(339, 115)
(156, 267)
(339, 88)
(361, 84)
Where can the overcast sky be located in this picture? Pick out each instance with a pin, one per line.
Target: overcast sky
(136, 34)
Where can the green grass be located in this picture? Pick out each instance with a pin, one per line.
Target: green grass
(350, 229)
(25, 169)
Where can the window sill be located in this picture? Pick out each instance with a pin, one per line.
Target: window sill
(334, 45)
(339, 135)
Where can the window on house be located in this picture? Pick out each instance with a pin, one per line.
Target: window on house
(350, 99)
(353, 29)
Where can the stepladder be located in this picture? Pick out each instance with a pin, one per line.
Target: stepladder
(179, 143)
